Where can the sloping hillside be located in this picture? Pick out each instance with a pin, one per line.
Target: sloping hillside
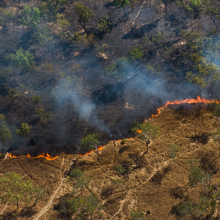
(151, 183)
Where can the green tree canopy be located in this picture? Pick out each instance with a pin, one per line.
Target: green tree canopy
(5, 133)
(136, 53)
(21, 58)
(121, 3)
(198, 175)
(13, 189)
(104, 25)
(36, 99)
(146, 132)
(79, 179)
(172, 151)
(137, 215)
(90, 142)
(50, 7)
(23, 130)
(30, 17)
(83, 12)
(120, 169)
(84, 207)
(215, 107)
(216, 136)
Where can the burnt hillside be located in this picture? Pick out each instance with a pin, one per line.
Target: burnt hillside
(72, 68)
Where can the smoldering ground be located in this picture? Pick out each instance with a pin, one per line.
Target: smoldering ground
(83, 99)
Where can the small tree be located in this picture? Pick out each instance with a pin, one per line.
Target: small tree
(123, 141)
(217, 138)
(136, 53)
(215, 107)
(120, 169)
(79, 179)
(173, 150)
(120, 183)
(91, 204)
(50, 7)
(84, 207)
(133, 3)
(90, 142)
(36, 99)
(198, 175)
(24, 130)
(187, 209)
(204, 209)
(146, 132)
(44, 116)
(21, 58)
(14, 189)
(5, 133)
(104, 25)
(137, 215)
(121, 4)
(30, 17)
(83, 12)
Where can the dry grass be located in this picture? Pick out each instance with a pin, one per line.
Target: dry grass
(152, 183)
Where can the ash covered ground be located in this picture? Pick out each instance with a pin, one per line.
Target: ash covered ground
(91, 80)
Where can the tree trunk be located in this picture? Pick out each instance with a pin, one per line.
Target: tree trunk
(17, 206)
(166, 8)
(124, 12)
(147, 146)
(174, 162)
(213, 19)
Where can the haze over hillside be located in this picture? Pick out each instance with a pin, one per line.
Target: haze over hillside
(77, 75)
(68, 70)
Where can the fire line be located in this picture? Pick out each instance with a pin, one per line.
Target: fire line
(188, 101)
(159, 110)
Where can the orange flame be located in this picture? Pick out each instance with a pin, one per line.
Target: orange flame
(176, 102)
(46, 156)
(100, 148)
(189, 101)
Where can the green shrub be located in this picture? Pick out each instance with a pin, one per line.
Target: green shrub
(120, 169)
(123, 141)
(137, 215)
(21, 58)
(104, 25)
(83, 12)
(16, 190)
(36, 99)
(136, 53)
(89, 142)
(24, 130)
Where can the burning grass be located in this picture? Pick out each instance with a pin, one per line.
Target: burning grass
(199, 100)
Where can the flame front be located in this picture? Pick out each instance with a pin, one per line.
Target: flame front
(100, 148)
(46, 156)
(188, 101)
(176, 102)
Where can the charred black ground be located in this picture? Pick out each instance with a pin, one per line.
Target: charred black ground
(88, 79)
